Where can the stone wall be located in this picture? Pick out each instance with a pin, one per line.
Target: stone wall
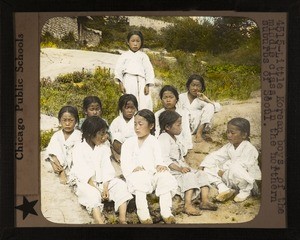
(62, 26)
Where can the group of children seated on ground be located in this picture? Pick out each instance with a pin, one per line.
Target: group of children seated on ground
(150, 149)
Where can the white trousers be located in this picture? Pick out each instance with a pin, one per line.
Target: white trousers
(135, 85)
(165, 203)
(234, 177)
(201, 117)
(142, 183)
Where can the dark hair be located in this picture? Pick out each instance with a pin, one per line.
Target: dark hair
(149, 116)
(243, 125)
(124, 99)
(196, 77)
(70, 109)
(135, 32)
(167, 118)
(91, 126)
(89, 100)
(169, 88)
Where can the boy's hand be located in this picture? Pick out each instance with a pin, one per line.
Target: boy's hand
(220, 173)
(185, 170)
(160, 168)
(105, 194)
(122, 88)
(202, 97)
(146, 90)
(139, 168)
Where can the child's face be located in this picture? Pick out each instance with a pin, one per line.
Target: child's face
(93, 109)
(135, 43)
(100, 137)
(168, 100)
(141, 126)
(195, 88)
(128, 110)
(176, 127)
(235, 135)
(67, 122)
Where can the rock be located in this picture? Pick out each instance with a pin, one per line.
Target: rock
(48, 122)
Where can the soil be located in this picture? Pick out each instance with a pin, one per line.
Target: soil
(58, 202)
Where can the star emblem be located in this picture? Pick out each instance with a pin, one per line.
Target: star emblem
(27, 207)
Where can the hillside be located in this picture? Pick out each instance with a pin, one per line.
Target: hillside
(59, 204)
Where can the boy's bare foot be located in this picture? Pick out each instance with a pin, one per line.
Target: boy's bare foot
(169, 220)
(100, 220)
(191, 211)
(223, 196)
(208, 206)
(122, 222)
(146, 221)
(207, 138)
(63, 177)
(198, 139)
(202, 138)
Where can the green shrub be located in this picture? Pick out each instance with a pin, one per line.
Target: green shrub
(72, 88)
(67, 41)
(223, 80)
(228, 81)
(45, 138)
(75, 77)
(48, 45)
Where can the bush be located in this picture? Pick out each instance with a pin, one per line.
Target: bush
(67, 41)
(45, 138)
(228, 81)
(223, 80)
(75, 77)
(72, 88)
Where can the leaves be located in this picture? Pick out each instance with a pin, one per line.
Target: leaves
(72, 88)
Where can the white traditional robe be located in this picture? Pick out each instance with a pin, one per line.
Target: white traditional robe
(172, 153)
(147, 156)
(62, 148)
(135, 70)
(95, 164)
(122, 130)
(240, 166)
(199, 112)
(185, 136)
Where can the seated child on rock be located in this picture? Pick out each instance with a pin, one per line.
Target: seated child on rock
(192, 183)
(235, 165)
(59, 149)
(94, 173)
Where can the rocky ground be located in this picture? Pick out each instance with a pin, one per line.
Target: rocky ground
(59, 203)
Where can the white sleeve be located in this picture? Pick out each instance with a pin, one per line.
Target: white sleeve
(149, 72)
(249, 158)
(213, 159)
(181, 101)
(165, 149)
(158, 159)
(186, 131)
(55, 147)
(107, 169)
(115, 131)
(126, 159)
(81, 170)
(119, 68)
